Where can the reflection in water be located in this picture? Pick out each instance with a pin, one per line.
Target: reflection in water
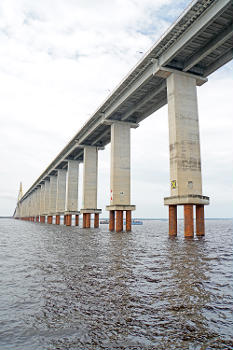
(188, 295)
(69, 288)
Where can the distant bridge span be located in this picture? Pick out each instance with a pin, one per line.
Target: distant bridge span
(196, 45)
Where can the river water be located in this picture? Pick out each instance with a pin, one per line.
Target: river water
(69, 288)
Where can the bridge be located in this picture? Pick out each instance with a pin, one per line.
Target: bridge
(195, 46)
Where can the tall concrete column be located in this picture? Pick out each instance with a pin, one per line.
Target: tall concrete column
(46, 197)
(42, 203)
(90, 180)
(72, 190)
(34, 198)
(32, 206)
(184, 142)
(61, 194)
(38, 203)
(30, 210)
(52, 198)
(35, 204)
(120, 174)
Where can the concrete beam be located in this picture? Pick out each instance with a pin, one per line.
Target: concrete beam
(107, 132)
(210, 47)
(187, 199)
(145, 100)
(200, 23)
(165, 72)
(153, 109)
(78, 155)
(119, 122)
(141, 80)
(227, 57)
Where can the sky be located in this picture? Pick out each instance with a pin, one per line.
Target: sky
(60, 59)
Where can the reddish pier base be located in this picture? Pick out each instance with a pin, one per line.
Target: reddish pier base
(57, 220)
(68, 219)
(200, 220)
(128, 220)
(96, 222)
(172, 220)
(111, 220)
(88, 220)
(116, 219)
(119, 220)
(188, 221)
(76, 220)
(49, 219)
(42, 219)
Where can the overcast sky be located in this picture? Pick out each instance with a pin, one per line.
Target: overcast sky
(60, 59)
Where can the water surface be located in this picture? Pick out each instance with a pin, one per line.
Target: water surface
(69, 288)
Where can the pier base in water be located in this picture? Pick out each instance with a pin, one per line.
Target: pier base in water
(188, 221)
(68, 219)
(172, 220)
(49, 219)
(119, 220)
(96, 221)
(88, 220)
(111, 220)
(42, 219)
(128, 220)
(200, 220)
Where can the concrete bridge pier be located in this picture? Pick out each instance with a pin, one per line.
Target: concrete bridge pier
(46, 199)
(120, 176)
(37, 211)
(61, 194)
(52, 198)
(185, 159)
(90, 181)
(42, 194)
(71, 204)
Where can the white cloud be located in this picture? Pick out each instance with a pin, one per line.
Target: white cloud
(59, 59)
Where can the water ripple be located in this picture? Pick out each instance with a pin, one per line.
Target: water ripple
(69, 288)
